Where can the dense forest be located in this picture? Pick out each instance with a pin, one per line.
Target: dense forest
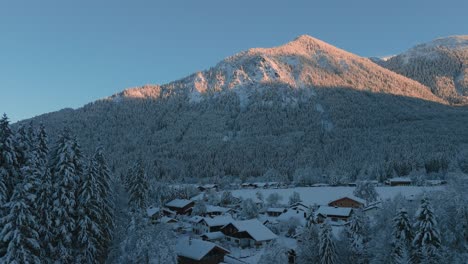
(338, 135)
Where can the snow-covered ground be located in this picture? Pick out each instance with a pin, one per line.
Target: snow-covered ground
(323, 195)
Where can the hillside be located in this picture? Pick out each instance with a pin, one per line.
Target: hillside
(304, 107)
(441, 64)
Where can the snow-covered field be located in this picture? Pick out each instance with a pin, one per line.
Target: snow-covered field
(323, 195)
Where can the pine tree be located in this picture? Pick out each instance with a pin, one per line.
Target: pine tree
(358, 238)
(426, 240)
(402, 237)
(138, 187)
(9, 167)
(308, 248)
(366, 191)
(106, 203)
(42, 148)
(294, 198)
(65, 166)
(327, 252)
(20, 229)
(89, 216)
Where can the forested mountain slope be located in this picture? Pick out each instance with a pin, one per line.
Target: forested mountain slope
(441, 64)
(302, 107)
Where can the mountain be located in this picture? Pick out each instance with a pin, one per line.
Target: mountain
(304, 109)
(304, 62)
(441, 64)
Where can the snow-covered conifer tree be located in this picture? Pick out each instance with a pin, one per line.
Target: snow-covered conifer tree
(20, 229)
(327, 251)
(366, 191)
(402, 237)
(138, 187)
(66, 162)
(358, 237)
(106, 201)
(89, 216)
(249, 209)
(426, 242)
(308, 248)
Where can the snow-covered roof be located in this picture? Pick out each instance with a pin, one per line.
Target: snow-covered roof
(336, 211)
(213, 208)
(213, 235)
(179, 203)
(195, 248)
(150, 211)
(352, 197)
(256, 230)
(400, 179)
(195, 219)
(198, 197)
(293, 214)
(218, 220)
(276, 210)
(166, 219)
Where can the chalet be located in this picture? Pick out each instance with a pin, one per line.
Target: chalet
(399, 181)
(196, 251)
(207, 187)
(153, 213)
(299, 206)
(247, 233)
(209, 225)
(212, 210)
(290, 214)
(335, 214)
(260, 185)
(348, 202)
(247, 185)
(275, 212)
(181, 206)
(213, 236)
(167, 220)
(273, 185)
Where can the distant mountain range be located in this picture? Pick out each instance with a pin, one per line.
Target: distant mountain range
(441, 65)
(305, 107)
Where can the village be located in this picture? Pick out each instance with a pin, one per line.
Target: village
(234, 226)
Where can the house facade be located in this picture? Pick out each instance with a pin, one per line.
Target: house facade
(348, 202)
(181, 206)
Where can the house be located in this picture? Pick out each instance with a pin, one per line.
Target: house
(299, 206)
(261, 185)
(435, 182)
(153, 213)
(197, 251)
(248, 185)
(181, 206)
(275, 212)
(167, 220)
(208, 224)
(213, 236)
(212, 210)
(335, 214)
(348, 202)
(399, 181)
(290, 214)
(247, 233)
(207, 187)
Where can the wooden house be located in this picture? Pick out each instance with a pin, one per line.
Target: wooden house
(334, 214)
(399, 181)
(208, 225)
(181, 206)
(247, 233)
(348, 202)
(197, 251)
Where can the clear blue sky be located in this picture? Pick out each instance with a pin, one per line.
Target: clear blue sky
(64, 53)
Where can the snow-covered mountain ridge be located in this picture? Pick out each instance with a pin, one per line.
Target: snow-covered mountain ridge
(441, 64)
(305, 62)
